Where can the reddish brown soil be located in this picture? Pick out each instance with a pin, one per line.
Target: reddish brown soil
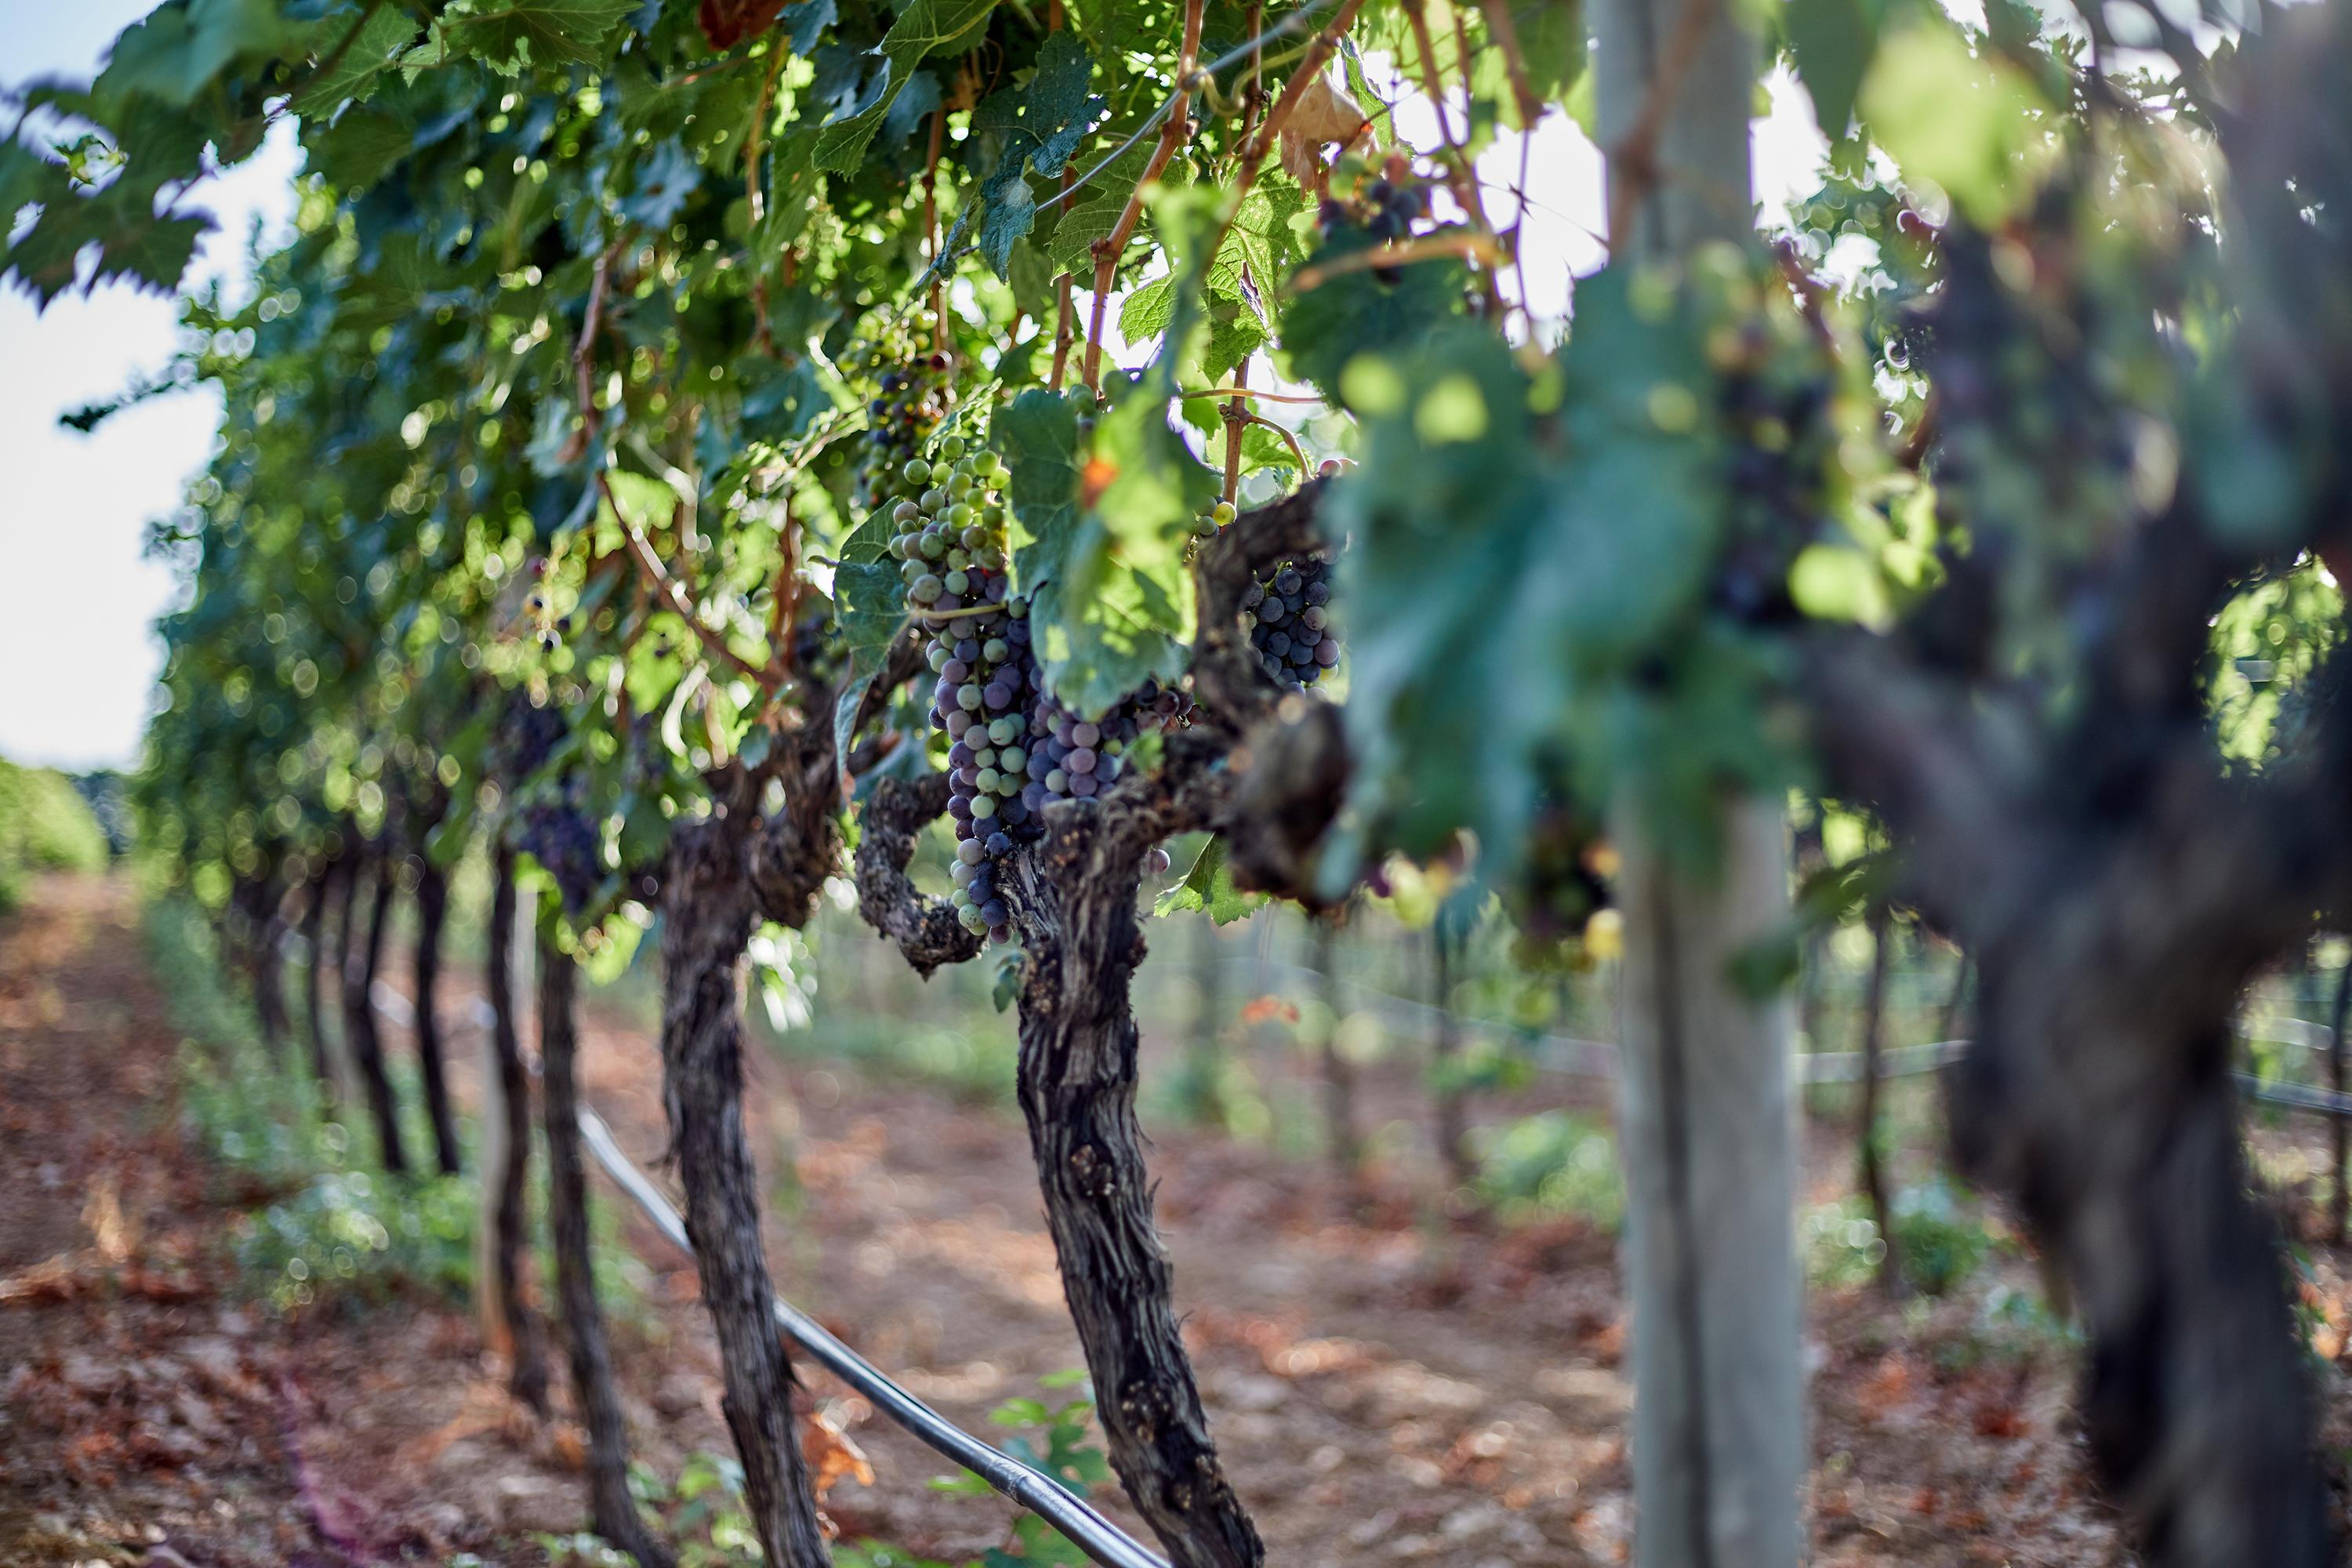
(1387, 1382)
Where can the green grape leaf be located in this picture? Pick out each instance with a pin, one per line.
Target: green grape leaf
(1208, 888)
(925, 27)
(1147, 309)
(1093, 213)
(1523, 608)
(664, 178)
(367, 48)
(1356, 308)
(179, 51)
(870, 605)
(1831, 42)
(506, 35)
(1974, 126)
(1102, 518)
(805, 23)
(1041, 123)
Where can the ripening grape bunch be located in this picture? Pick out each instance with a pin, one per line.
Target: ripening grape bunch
(528, 735)
(1386, 207)
(564, 841)
(1288, 618)
(912, 397)
(948, 515)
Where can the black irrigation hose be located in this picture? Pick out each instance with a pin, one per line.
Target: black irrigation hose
(1088, 1531)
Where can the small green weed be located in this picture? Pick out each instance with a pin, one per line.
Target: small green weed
(1555, 1161)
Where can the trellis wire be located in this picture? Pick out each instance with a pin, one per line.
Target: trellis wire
(1034, 1490)
(1087, 1530)
(1572, 1058)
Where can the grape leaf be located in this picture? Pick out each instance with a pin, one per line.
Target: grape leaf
(870, 604)
(1356, 310)
(1518, 603)
(179, 51)
(367, 48)
(1209, 888)
(506, 34)
(923, 28)
(1831, 42)
(1101, 517)
(1041, 123)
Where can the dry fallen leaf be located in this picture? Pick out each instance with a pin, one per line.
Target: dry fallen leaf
(832, 1456)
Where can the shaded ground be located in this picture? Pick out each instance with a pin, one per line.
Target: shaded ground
(1387, 1383)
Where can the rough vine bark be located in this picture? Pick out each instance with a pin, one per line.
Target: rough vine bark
(614, 1510)
(707, 899)
(1267, 774)
(526, 1339)
(432, 911)
(359, 1036)
(1074, 899)
(314, 960)
(1869, 1167)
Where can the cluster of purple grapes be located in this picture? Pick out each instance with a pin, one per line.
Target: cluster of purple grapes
(949, 511)
(1288, 618)
(561, 839)
(528, 736)
(912, 398)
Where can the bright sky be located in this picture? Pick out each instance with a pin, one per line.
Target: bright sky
(79, 656)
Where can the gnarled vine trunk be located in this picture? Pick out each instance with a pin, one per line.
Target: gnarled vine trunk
(314, 960)
(359, 1036)
(1074, 905)
(2098, 1094)
(432, 910)
(1870, 1169)
(708, 907)
(509, 1175)
(264, 966)
(612, 1508)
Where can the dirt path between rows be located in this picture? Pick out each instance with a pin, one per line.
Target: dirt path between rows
(1386, 1385)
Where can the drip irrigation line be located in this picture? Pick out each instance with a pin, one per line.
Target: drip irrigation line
(1087, 1530)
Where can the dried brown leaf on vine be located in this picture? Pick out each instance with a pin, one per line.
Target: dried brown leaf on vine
(1324, 114)
(727, 23)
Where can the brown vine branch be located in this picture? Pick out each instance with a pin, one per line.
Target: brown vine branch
(1421, 248)
(584, 358)
(1236, 414)
(1174, 133)
(1459, 174)
(673, 597)
(755, 197)
(1315, 56)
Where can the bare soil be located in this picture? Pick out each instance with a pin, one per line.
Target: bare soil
(1389, 1380)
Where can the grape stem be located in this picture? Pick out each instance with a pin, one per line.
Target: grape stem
(583, 355)
(1421, 248)
(1239, 391)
